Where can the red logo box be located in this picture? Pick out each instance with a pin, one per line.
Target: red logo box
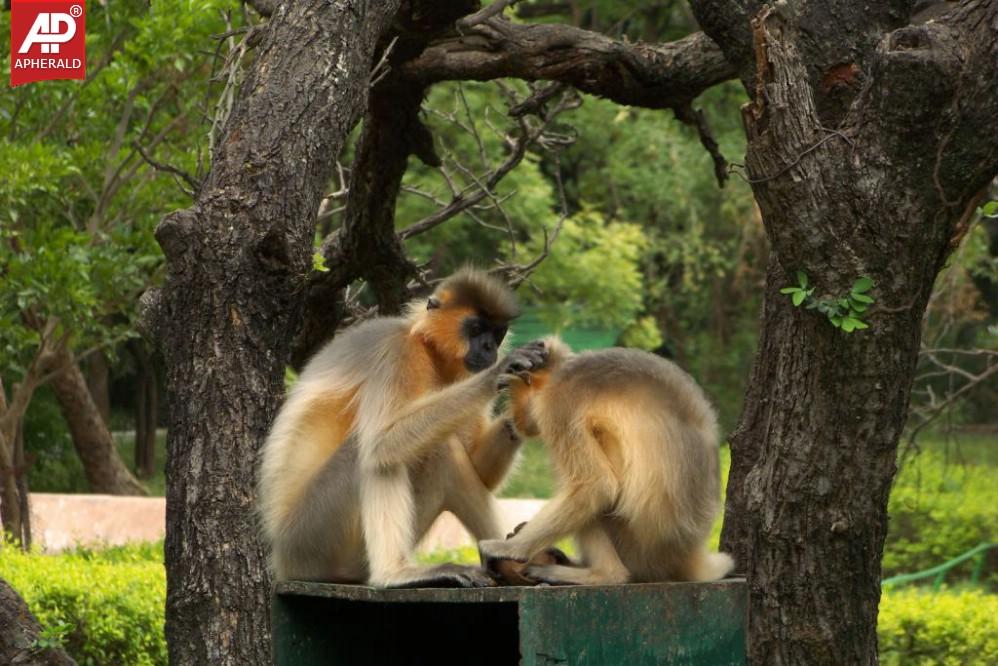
(47, 41)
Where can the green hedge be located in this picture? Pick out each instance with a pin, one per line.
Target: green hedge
(946, 628)
(106, 606)
(938, 510)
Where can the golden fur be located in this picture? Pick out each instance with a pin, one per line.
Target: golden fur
(634, 443)
(384, 429)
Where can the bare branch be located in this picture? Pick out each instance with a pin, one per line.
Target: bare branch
(462, 202)
(180, 173)
(648, 75)
(484, 14)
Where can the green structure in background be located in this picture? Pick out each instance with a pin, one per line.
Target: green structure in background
(529, 326)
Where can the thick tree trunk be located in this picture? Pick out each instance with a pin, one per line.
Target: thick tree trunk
(105, 470)
(237, 261)
(18, 632)
(98, 382)
(813, 456)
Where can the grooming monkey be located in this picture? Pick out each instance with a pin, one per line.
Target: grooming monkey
(387, 426)
(634, 444)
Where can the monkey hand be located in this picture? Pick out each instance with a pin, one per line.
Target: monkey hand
(520, 362)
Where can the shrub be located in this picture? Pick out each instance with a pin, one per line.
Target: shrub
(56, 467)
(107, 606)
(951, 627)
(938, 510)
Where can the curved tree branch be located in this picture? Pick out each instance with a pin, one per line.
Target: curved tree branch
(655, 76)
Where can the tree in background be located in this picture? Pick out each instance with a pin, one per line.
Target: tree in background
(89, 168)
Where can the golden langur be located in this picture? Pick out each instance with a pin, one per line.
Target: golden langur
(634, 443)
(386, 427)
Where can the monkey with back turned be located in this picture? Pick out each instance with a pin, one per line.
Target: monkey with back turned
(634, 442)
(386, 427)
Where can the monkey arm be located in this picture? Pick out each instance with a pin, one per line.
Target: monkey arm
(493, 449)
(520, 396)
(428, 421)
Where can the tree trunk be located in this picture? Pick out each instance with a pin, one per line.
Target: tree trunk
(98, 382)
(18, 632)
(10, 501)
(21, 479)
(813, 456)
(105, 470)
(236, 264)
(146, 409)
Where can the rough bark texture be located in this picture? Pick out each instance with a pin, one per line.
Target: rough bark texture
(18, 632)
(237, 261)
(656, 76)
(105, 470)
(886, 194)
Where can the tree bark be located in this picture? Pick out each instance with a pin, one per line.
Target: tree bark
(21, 479)
(657, 76)
(886, 194)
(237, 262)
(106, 472)
(19, 629)
(10, 500)
(98, 382)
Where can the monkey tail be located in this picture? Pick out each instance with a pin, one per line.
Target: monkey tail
(711, 566)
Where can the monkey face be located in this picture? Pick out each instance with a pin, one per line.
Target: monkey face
(484, 337)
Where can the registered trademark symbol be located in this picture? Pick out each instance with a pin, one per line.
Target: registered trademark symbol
(76, 11)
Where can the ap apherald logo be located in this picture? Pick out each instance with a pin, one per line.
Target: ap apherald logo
(47, 41)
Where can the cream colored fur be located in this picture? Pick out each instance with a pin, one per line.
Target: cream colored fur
(350, 506)
(634, 442)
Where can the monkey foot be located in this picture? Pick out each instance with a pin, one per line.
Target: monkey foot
(446, 575)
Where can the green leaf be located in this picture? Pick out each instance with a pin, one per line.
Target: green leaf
(836, 321)
(798, 298)
(862, 285)
(319, 263)
(802, 279)
(856, 307)
(790, 290)
(990, 209)
(860, 324)
(848, 324)
(860, 298)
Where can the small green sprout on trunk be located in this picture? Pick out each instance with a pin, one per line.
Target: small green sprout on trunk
(843, 312)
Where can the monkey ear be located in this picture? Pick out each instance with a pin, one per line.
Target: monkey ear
(432, 303)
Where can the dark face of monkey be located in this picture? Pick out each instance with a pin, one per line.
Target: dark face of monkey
(484, 337)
